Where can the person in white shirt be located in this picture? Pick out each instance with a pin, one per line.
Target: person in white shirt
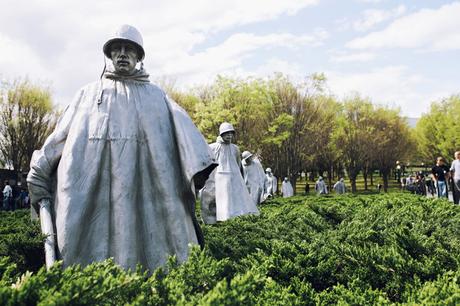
(455, 169)
(7, 196)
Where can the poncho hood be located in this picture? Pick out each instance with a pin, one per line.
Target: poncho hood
(139, 75)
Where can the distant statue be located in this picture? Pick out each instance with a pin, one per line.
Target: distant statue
(286, 188)
(254, 176)
(225, 191)
(117, 176)
(339, 186)
(271, 184)
(320, 186)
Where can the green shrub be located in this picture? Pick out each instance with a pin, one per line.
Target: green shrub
(348, 250)
(21, 240)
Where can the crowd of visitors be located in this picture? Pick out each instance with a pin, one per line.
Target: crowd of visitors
(14, 197)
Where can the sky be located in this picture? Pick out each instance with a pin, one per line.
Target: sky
(403, 54)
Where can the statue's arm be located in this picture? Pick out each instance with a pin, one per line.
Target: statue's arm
(46, 222)
(44, 162)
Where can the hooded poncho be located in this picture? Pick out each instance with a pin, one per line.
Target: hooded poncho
(254, 177)
(321, 187)
(225, 192)
(286, 189)
(271, 185)
(120, 166)
(339, 187)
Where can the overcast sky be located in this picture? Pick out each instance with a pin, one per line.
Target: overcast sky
(399, 53)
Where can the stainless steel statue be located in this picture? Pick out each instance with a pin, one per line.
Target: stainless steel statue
(254, 176)
(116, 178)
(286, 188)
(225, 195)
(271, 184)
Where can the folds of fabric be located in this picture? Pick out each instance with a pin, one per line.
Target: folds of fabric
(254, 178)
(124, 170)
(226, 187)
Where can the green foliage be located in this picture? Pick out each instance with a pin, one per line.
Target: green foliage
(349, 250)
(26, 119)
(437, 131)
(299, 126)
(21, 240)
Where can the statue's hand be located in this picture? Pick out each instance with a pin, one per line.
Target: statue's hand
(46, 222)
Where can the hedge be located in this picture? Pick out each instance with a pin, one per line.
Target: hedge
(356, 250)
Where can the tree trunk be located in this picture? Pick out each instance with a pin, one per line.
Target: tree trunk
(329, 177)
(353, 184)
(365, 172)
(352, 174)
(294, 184)
(372, 178)
(385, 181)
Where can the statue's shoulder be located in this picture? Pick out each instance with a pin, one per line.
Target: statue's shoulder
(213, 145)
(90, 87)
(155, 89)
(235, 148)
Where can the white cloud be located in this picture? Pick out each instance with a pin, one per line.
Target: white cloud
(373, 17)
(395, 86)
(342, 57)
(61, 41)
(428, 29)
(229, 56)
(370, 1)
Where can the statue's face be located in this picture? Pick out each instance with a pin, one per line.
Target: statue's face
(124, 57)
(227, 137)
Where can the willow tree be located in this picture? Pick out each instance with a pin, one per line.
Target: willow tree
(26, 119)
(242, 102)
(300, 123)
(437, 131)
(393, 141)
(353, 136)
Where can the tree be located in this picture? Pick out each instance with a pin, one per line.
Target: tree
(300, 124)
(353, 136)
(392, 141)
(437, 132)
(26, 119)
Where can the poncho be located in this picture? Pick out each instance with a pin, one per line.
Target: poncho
(286, 189)
(271, 185)
(225, 191)
(254, 177)
(123, 159)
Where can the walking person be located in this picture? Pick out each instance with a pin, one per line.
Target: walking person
(440, 174)
(455, 170)
(7, 196)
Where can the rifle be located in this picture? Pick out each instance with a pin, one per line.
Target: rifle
(46, 222)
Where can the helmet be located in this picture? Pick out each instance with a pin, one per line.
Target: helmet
(226, 127)
(246, 154)
(268, 170)
(126, 33)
